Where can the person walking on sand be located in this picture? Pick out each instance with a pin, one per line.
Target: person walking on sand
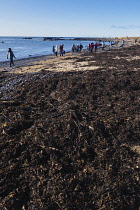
(10, 55)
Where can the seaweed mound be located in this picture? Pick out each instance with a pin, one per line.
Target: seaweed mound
(68, 138)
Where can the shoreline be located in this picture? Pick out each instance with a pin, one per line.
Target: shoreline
(26, 60)
(103, 60)
(34, 62)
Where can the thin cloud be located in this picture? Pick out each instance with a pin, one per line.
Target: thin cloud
(125, 27)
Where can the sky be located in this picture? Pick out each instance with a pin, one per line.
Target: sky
(70, 18)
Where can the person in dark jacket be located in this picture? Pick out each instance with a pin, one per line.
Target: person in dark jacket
(61, 50)
(10, 55)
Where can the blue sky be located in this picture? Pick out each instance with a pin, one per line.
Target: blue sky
(93, 18)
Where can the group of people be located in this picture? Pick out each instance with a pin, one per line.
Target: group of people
(93, 46)
(76, 48)
(58, 49)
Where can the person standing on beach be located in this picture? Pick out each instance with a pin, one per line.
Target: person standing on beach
(110, 45)
(56, 50)
(91, 46)
(122, 43)
(73, 48)
(81, 47)
(77, 48)
(61, 50)
(53, 49)
(96, 45)
(10, 55)
(103, 45)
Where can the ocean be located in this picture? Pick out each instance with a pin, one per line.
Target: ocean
(24, 47)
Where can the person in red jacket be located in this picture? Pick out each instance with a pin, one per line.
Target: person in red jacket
(96, 45)
(91, 47)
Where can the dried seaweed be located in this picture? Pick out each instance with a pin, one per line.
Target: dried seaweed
(67, 138)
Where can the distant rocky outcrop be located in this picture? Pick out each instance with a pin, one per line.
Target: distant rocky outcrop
(27, 38)
(52, 38)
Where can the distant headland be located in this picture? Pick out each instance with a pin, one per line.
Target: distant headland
(78, 38)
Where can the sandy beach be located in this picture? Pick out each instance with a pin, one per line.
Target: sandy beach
(70, 131)
(53, 63)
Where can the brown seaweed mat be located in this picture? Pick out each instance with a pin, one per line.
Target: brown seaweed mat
(70, 140)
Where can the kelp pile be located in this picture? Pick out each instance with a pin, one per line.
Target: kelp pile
(67, 139)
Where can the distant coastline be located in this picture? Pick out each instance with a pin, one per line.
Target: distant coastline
(25, 47)
(104, 39)
(79, 38)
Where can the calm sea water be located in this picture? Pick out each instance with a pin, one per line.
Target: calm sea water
(24, 48)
